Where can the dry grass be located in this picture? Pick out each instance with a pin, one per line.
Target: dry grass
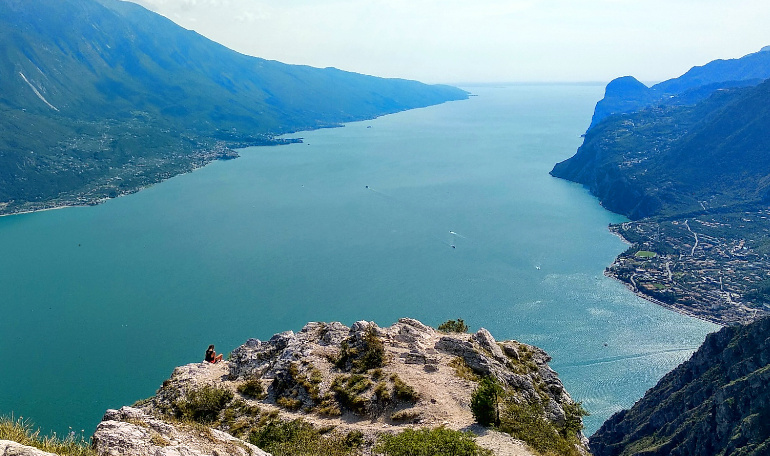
(21, 431)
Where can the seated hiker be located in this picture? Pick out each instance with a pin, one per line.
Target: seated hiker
(211, 355)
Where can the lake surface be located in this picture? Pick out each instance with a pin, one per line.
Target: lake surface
(101, 303)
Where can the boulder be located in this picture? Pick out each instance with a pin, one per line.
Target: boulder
(8, 448)
(130, 432)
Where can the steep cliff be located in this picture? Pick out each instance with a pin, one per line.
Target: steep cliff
(667, 160)
(717, 403)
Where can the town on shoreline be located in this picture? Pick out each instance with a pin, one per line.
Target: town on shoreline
(710, 266)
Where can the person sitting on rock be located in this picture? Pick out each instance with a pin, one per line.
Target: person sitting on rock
(211, 355)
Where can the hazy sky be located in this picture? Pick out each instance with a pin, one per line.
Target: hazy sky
(484, 40)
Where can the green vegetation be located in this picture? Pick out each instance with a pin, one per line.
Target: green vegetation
(405, 415)
(645, 254)
(299, 438)
(151, 100)
(361, 356)
(485, 402)
(527, 422)
(204, 404)
(759, 294)
(453, 326)
(349, 389)
(252, 388)
(403, 391)
(22, 432)
(679, 160)
(430, 442)
(463, 370)
(491, 404)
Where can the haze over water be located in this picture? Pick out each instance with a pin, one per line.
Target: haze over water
(101, 303)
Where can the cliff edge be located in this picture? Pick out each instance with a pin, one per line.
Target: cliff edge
(347, 387)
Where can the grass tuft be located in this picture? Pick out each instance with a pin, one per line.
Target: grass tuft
(23, 432)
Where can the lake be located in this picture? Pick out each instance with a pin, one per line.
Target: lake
(437, 213)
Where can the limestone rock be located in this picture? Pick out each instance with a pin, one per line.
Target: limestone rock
(130, 432)
(9, 448)
(717, 402)
(362, 378)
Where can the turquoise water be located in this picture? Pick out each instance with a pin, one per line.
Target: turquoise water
(101, 303)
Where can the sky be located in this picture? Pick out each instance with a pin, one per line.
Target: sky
(462, 41)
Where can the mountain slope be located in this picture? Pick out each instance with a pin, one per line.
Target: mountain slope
(101, 97)
(677, 159)
(717, 403)
(626, 94)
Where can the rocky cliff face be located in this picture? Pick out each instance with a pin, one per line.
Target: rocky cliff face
(717, 403)
(350, 382)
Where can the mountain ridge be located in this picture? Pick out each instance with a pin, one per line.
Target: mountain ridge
(102, 97)
(626, 94)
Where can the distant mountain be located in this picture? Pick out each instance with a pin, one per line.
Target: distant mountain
(101, 97)
(717, 403)
(626, 94)
(667, 160)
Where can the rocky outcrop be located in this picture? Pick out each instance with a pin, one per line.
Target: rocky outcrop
(131, 432)
(717, 403)
(363, 378)
(334, 383)
(8, 448)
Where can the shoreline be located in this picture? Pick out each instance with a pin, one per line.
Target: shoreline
(680, 310)
(205, 158)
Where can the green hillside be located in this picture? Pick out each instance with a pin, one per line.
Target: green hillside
(669, 160)
(101, 97)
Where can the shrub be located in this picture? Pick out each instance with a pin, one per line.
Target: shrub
(463, 370)
(299, 438)
(252, 388)
(453, 326)
(381, 392)
(573, 423)
(484, 402)
(348, 389)
(354, 439)
(289, 403)
(430, 442)
(204, 404)
(373, 355)
(405, 415)
(527, 422)
(403, 391)
(369, 354)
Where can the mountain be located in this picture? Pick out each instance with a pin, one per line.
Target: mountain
(102, 97)
(717, 403)
(667, 160)
(692, 172)
(626, 94)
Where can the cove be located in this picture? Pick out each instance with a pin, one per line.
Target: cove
(357, 223)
